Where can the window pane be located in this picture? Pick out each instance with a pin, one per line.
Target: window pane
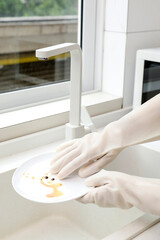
(151, 80)
(26, 25)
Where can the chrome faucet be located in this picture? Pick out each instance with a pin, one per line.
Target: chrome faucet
(74, 129)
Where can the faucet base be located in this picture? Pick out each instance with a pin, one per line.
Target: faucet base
(74, 131)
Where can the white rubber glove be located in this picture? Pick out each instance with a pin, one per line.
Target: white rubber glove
(95, 150)
(115, 189)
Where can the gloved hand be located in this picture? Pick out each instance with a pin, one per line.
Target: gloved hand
(95, 150)
(115, 189)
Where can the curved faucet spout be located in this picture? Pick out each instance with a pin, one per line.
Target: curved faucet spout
(74, 129)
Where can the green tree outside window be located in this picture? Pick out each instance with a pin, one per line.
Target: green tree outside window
(26, 8)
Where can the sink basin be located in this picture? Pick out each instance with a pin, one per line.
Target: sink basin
(23, 219)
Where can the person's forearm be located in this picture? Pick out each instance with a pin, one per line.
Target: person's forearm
(140, 125)
(143, 193)
(151, 139)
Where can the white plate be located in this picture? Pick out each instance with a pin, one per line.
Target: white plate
(30, 181)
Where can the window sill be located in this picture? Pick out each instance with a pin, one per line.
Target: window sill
(50, 115)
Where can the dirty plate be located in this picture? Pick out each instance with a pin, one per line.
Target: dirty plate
(33, 181)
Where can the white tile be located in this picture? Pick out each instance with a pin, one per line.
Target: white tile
(143, 15)
(116, 15)
(114, 59)
(134, 42)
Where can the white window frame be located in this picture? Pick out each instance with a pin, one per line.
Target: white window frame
(93, 30)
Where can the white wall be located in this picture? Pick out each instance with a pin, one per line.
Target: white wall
(129, 25)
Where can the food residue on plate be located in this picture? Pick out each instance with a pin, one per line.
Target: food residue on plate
(48, 181)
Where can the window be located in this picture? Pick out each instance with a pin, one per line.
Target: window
(25, 26)
(23, 79)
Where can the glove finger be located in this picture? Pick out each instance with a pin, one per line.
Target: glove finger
(62, 154)
(99, 179)
(94, 167)
(71, 166)
(61, 147)
(88, 198)
(64, 160)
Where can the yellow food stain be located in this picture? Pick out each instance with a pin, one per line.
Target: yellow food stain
(26, 174)
(54, 186)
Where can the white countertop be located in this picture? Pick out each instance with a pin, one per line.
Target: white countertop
(152, 233)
